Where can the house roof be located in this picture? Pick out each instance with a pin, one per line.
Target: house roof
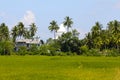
(28, 41)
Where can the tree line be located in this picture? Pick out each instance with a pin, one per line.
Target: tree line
(97, 42)
(8, 38)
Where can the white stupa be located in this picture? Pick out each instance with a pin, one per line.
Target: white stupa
(61, 30)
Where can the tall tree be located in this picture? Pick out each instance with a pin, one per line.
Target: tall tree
(68, 22)
(116, 27)
(33, 30)
(69, 43)
(4, 32)
(75, 33)
(89, 40)
(14, 33)
(105, 39)
(53, 27)
(21, 29)
(96, 30)
(110, 27)
(96, 33)
(114, 32)
(27, 34)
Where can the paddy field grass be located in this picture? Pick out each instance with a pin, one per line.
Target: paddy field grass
(59, 68)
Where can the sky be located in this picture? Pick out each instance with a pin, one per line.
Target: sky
(84, 13)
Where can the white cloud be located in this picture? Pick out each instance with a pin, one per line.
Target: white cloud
(28, 18)
(62, 28)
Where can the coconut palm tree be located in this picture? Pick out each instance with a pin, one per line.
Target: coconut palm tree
(98, 42)
(27, 34)
(14, 33)
(33, 30)
(114, 31)
(53, 27)
(96, 35)
(68, 22)
(4, 32)
(105, 39)
(21, 29)
(89, 40)
(110, 34)
(110, 26)
(75, 33)
(96, 30)
(116, 27)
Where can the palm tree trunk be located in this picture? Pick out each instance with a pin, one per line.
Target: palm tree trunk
(67, 29)
(54, 35)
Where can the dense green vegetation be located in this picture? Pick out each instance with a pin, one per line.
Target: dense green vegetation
(97, 42)
(59, 68)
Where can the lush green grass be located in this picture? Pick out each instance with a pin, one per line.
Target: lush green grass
(59, 68)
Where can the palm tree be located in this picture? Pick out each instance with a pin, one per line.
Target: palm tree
(118, 42)
(75, 33)
(98, 42)
(96, 34)
(105, 39)
(14, 33)
(116, 28)
(68, 22)
(110, 26)
(27, 34)
(21, 29)
(4, 32)
(111, 34)
(89, 40)
(96, 30)
(114, 31)
(33, 29)
(53, 27)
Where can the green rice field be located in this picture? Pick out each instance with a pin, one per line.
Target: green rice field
(59, 68)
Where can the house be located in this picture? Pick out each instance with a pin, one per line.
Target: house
(27, 43)
(61, 30)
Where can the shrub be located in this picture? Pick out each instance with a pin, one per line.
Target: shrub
(43, 50)
(33, 50)
(22, 50)
(94, 52)
(84, 50)
(61, 54)
(70, 53)
(6, 48)
(113, 52)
